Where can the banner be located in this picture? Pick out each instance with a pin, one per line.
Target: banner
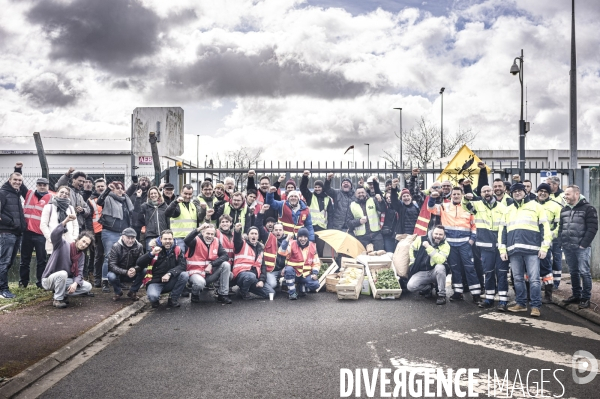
(463, 166)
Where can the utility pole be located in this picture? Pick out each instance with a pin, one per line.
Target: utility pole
(400, 136)
(442, 125)
(573, 95)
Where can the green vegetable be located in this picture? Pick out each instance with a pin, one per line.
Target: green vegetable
(323, 269)
(386, 279)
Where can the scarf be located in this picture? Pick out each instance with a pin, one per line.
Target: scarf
(75, 256)
(62, 204)
(148, 277)
(113, 205)
(154, 203)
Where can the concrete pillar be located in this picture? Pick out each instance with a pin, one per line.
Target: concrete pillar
(594, 199)
(553, 159)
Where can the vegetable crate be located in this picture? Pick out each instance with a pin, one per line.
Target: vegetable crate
(373, 268)
(351, 291)
(328, 266)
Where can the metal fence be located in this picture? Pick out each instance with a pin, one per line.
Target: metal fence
(30, 179)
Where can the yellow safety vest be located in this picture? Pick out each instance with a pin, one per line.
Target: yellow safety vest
(372, 215)
(242, 219)
(319, 218)
(187, 220)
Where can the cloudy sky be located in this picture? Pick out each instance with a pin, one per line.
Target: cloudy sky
(303, 79)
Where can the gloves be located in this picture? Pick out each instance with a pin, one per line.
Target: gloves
(134, 179)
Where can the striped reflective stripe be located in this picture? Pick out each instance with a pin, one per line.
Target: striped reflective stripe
(523, 246)
(27, 216)
(182, 229)
(185, 220)
(463, 239)
(198, 262)
(484, 244)
(529, 222)
(418, 226)
(295, 263)
(422, 219)
(457, 228)
(483, 221)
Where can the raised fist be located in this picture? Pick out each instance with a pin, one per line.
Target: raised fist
(481, 165)
(111, 186)
(290, 236)
(466, 182)
(378, 197)
(156, 250)
(161, 186)
(251, 173)
(19, 165)
(139, 193)
(273, 189)
(71, 217)
(435, 194)
(363, 220)
(210, 212)
(395, 183)
(238, 227)
(516, 177)
(203, 205)
(71, 170)
(415, 171)
(265, 207)
(329, 176)
(179, 199)
(469, 196)
(306, 173)
(281, 178)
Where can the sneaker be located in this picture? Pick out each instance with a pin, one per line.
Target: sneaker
(59, 304)
(171, 303)
(97, 283)
(23, 284)
(518, 308)
(195, 298)
(223, 299)
(301, 294)
(441, 300)
(535, 312)
(293, 296)
(584, 304)
(210, 286)
(486, 304)
(284, 288)
(132, 295)
(502, 306)
(572, 299)
(118, 296)
(476, 298)
(105, 287)
(154, 304)
(6, 294)
(457, 296)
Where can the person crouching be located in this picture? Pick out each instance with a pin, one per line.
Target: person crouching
(122, 265)
(249, 269)
(302, 261)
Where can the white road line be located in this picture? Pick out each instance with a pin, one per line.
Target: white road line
(543, 325)
(505, 345)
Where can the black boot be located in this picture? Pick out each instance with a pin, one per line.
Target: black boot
(547, 293)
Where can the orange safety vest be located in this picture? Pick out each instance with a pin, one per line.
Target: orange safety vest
(202, 257)
(32, 210)
(287, 220)
(226, 243)
(260, 201)
(424, 218)
(96, 215)
(245, 260)
(303, 267)
(270, 252)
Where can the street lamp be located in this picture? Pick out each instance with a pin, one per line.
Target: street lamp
(368, 161)
(400, 136)
(442, 124)
(518, 70)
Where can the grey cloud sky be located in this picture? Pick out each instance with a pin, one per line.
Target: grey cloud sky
(49, 90)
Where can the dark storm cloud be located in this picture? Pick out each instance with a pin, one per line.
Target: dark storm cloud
(49, 90)
(224, 72)
(110, 33)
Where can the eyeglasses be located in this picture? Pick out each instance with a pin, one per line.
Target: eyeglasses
(542, 191)
(446, 185)
(436, 187)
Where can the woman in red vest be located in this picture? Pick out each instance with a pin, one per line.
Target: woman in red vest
(302, 264)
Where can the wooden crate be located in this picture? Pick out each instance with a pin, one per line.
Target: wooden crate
(331, 269)
(350, 262)
(331, 281)
(346, 291)
(372, 268)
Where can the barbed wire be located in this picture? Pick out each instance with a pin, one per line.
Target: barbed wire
(69, 138)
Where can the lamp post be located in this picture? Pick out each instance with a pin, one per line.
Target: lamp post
(197, 160)
(368, 161)
(518, 69)
(442, 125)
(400, 136)
(573, 95)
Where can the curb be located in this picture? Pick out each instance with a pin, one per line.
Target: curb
(573, 308)
(30, 375)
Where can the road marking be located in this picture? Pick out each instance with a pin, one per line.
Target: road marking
(543, 325)
(505, 345)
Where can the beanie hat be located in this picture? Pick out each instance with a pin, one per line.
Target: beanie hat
(319, 183)
(292, 182)
(517, 186)
(303, 232)
(404, 191)
(347, 179)
(544, 186)
(388, 182)
(294, 192)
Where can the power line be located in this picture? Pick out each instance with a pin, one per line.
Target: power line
(69, 138)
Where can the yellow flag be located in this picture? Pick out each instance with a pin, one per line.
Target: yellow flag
(463, 166)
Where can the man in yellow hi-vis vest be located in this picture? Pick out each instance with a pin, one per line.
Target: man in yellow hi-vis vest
(184, 216)
(363, 219)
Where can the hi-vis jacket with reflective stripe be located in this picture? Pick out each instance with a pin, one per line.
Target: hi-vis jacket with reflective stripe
(304, 261)
(202, 257)
(372, 216)
(226, 243)
(32, 210)
(319, 218)
(247, 259)
(525, 230)
(506, 200)
(459, 224)
(488, 217)
(437, 255)
(559, 197)
(96, 215)
(553, 210)
(186, 221)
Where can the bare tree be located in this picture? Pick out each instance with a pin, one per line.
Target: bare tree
(421, 144)
(243, 158)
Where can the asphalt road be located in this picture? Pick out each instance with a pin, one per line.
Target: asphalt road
(295, 349)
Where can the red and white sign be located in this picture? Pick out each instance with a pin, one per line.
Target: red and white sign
(144, 160)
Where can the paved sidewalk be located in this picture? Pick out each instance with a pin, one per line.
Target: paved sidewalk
(565, 291)
(32, 333)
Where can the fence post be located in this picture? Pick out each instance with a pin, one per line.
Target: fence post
(595, 201)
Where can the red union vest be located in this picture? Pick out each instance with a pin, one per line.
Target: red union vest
(287, 220)
(33, 208)
(96, 214)
(202, 257)
(260, 201)
(244, 261)
(296, 259)
(226, 243)
(424, 217)
(270, 253)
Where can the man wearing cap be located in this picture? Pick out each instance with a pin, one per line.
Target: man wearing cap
(342, 199)
(122, 266)
(320, 206)
(290, 186)
(292, 212)
(363, 219)
(168, 193)
(302, 264)
(523, 239)
(407, 206)
(547, 264)
(33, 238)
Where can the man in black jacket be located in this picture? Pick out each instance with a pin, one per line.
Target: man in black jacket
(407, 207)
(164, 265)
(122, 265)
(12, 226)
(578, 227)
(342, 199)
(141, 183)
(320, 205)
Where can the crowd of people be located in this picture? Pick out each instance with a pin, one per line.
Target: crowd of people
(97, 233)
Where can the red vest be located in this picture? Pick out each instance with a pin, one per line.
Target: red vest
(96, 214)
(287, 220)
(260, 201)
(202, 257)
(244, 261)
(33, 208)
(424, 218)
(296, 259)
(270, 252)
(226, 243)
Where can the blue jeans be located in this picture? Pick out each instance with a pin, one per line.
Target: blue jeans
(9, 245)
(155, 289)
(247, 283)
(116, 279)
(29, 242)
(303, 282)
(578, 260)
(462, 257)
(495, 272)
(109, 238)
(389, 243)
(556, 262)
(530, 265)
(181, 244)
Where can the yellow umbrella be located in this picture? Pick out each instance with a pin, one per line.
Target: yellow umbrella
(341, 242)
